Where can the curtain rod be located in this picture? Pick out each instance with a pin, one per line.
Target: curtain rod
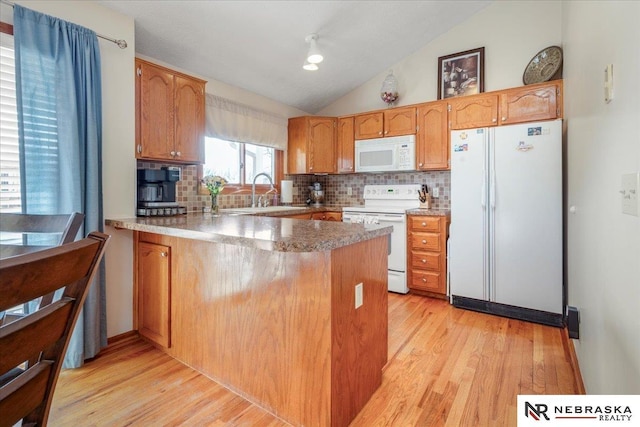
(122, 44)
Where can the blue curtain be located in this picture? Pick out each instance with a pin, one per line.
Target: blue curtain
(59, 103)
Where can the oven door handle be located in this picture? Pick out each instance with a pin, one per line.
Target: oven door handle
(391, 218)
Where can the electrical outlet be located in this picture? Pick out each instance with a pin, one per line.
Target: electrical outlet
(349, 191)
(358, 295)
(435, 192)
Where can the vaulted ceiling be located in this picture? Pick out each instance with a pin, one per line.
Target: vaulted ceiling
(260, 46)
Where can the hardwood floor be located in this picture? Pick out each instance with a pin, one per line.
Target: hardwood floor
(446, 367)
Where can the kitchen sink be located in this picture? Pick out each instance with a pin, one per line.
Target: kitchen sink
(268, 209)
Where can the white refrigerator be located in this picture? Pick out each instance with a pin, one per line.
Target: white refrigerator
(506, 233)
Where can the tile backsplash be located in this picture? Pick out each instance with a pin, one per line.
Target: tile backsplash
(336, 187)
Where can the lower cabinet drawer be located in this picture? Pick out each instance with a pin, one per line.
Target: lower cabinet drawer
(425, 241)
(426, 280)
(428, 261)
(424, 224)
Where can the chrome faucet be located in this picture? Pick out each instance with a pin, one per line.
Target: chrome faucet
(253, 188)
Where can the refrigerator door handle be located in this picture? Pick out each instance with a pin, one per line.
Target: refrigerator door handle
(483, 193)
(492, 191)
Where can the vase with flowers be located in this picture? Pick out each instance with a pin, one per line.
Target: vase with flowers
(214, 184)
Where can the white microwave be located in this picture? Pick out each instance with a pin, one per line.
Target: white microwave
(396, 153)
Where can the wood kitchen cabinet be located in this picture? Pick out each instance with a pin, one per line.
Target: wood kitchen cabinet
(427, 257)
(475, 111)
(170, 117)
(327, 216)
(323, 216)
(432, 138)
(307, 215)
(346, 145)
(311, 147)
(518, 105)
(392, 122)
(153, 285)
(531, 103)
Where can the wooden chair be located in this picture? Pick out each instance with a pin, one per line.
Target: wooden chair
(28, 225)
(31, 225)
(26, 389)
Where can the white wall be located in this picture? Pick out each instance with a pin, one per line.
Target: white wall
(603, 143)
(512, 32)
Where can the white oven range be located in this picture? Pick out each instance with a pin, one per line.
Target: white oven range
(387, 205)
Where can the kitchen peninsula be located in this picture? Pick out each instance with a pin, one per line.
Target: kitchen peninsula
(266, 307)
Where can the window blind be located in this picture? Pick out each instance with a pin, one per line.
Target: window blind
(232, 121)
(10, 195)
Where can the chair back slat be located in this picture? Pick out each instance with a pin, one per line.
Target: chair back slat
(48, 271)
(26, 391)
(24, 394)
(46, 326)
(66, 225)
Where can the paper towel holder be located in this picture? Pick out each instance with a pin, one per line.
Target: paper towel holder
(286, 192)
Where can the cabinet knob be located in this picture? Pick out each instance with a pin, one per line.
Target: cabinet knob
(139, 71)
(494, 120)
(424, 280)
(504, 118)
(424, 242)
(173, 153)
(420, 164)
(386, 132)
(380, 133)
(424, 261)
(424, 224)
(178, 153)
(139, 148)
(163, 254)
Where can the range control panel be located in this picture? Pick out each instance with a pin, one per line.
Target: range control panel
(391, 192)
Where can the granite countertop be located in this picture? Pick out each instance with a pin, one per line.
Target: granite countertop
(260, 232)
(429, 212)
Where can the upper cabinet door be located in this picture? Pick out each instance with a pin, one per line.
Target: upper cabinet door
(400, 121)
(345, 145)
(297, 145)
(189, 120)
(322, 137)
(474, 111)
(169, 115)
(155, 126)
(368, 126)
(531, 103)
(432, 141)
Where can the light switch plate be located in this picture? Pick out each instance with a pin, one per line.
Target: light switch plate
(608, 83)
(629, 193)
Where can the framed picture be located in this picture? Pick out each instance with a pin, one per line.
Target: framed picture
(461, 73)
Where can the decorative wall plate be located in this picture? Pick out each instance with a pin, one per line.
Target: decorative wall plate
(544, 66)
